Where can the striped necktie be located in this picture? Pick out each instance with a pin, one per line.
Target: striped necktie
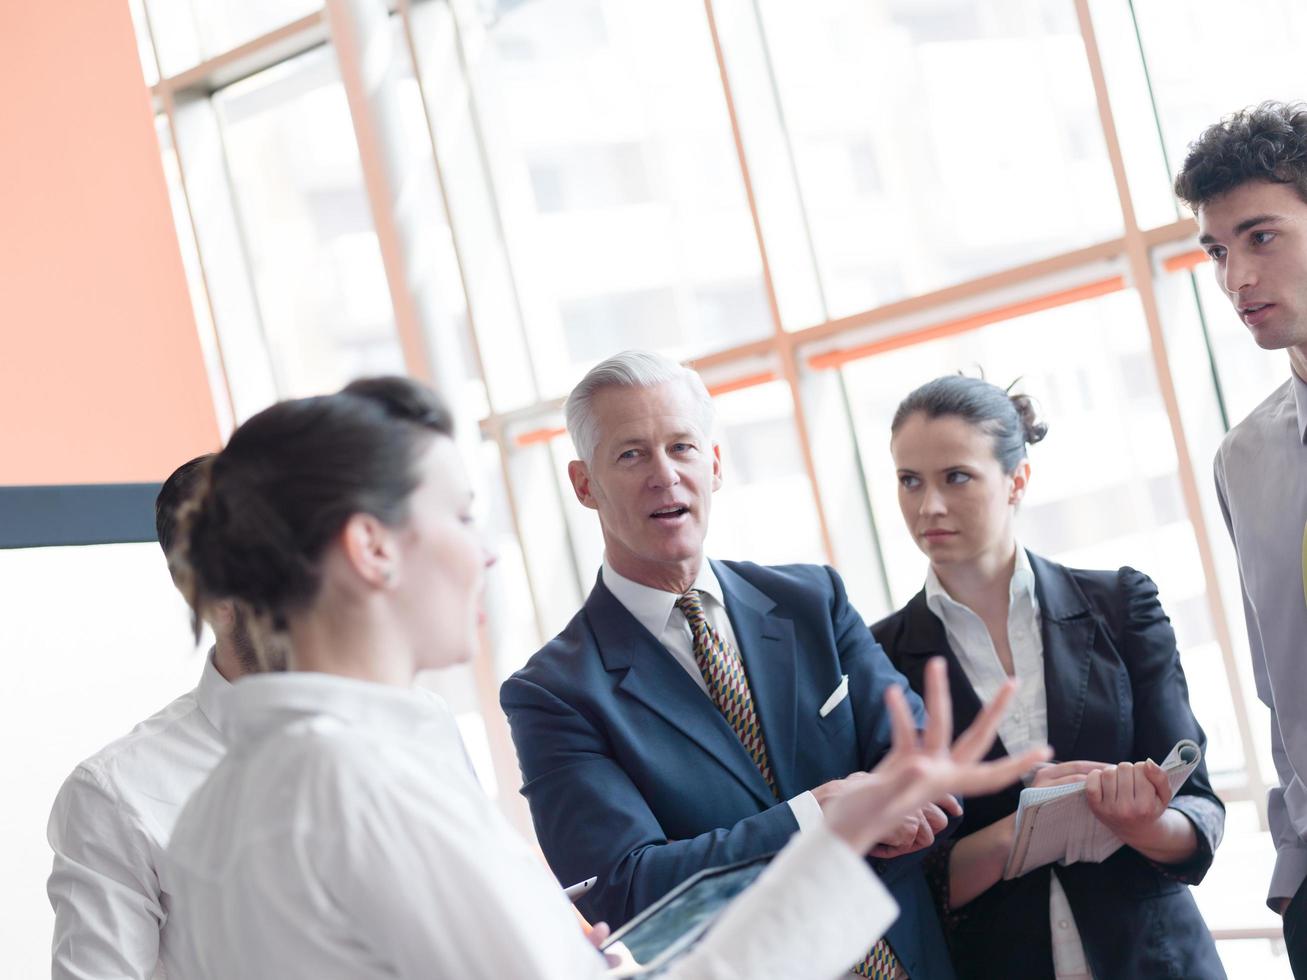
(728, 686)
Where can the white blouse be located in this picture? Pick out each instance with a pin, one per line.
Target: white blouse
(343, 837)
(1026, 722)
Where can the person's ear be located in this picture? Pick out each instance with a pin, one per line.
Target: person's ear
(716, 466)
(1020, 480)
(371, 550)
(579, 473)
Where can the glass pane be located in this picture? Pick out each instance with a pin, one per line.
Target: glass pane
(616, 178)
(213, 363)
(473, 210)
(916, 165)
(765, 484)
(1233, 896)
(188, 33)
(1104, 490)
(1210, 59)
(307, 225)
(97, 639)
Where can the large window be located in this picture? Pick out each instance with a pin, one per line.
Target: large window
(822, 204)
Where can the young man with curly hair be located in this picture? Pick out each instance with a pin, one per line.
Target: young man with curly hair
(1246, 180)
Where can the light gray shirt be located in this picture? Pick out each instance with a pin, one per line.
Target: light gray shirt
(1261, 479)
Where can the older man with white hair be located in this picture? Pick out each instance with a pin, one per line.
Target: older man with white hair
(698, 712)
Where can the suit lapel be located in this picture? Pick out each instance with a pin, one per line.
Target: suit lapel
(653, 677)
(766, 645)
(924, 637)
(1068, 635)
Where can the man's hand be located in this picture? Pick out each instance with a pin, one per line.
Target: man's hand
(915, 832)
(918, 829)
(922, 766)
(1128, 798)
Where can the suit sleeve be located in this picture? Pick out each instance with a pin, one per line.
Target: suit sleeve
(592, 820)
(871, 674)
(1162, 715)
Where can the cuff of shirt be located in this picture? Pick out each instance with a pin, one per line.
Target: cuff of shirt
(807, 811)
(815, 911)
(1289, 874)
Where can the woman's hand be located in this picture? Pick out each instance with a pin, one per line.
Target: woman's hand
(923, 767)
(1129, 798)
(1059, 773)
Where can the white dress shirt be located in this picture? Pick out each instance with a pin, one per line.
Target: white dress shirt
(1026, 722)
(343, 837)
(656, 611)
(110, 824)
(1261, 479)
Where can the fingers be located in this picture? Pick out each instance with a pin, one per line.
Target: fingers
(1109, 781)
(1080, 767)
(939, 706)
(1156, 775)
(934, 818)
(950, 805)
(903, 730)
(980, 734)
(598, 933)
(976, 778)
(1094, 789)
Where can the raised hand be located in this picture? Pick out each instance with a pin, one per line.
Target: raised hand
(924, 767)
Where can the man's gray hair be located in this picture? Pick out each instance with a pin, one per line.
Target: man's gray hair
(629, 369)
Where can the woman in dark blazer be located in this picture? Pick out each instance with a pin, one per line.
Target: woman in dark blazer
(1100, 680)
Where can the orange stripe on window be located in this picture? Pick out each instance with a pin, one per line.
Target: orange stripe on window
(838, 358)
(1185, 260)
(537, 436)
(739, 384)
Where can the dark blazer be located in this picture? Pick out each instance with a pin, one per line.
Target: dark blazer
(1116, 692)
(633, 774)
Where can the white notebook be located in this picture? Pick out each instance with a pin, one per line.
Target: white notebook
(1054, 823)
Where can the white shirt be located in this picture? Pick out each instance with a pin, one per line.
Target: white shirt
(1261, 480)
(109, 826)
(656, 611)
(343, 837)
(1026, 723)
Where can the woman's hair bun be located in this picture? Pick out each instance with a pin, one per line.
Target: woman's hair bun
(1032, 429)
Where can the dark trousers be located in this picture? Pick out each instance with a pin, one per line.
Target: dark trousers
(1295, 933)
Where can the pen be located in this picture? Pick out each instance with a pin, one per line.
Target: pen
(573, 892)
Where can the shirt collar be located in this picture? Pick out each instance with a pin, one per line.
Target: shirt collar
(651, 607)
(1300, 403)
(1021, 587)
(261, 703)
(211, 693)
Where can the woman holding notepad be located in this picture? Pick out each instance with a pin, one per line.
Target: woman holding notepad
(1101, 682)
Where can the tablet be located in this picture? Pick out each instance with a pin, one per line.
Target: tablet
(676, 921)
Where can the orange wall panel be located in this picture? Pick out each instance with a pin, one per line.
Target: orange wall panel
(101, 375)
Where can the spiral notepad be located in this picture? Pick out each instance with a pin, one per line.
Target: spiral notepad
(1054, 823)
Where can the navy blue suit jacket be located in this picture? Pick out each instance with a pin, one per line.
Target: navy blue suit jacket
(1116, 692)
(633, 774)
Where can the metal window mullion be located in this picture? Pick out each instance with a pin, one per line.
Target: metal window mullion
(1141, 271)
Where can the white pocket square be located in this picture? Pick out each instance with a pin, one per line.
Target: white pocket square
(836, 696)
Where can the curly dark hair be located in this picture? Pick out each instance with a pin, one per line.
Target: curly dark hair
(1266, 142)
